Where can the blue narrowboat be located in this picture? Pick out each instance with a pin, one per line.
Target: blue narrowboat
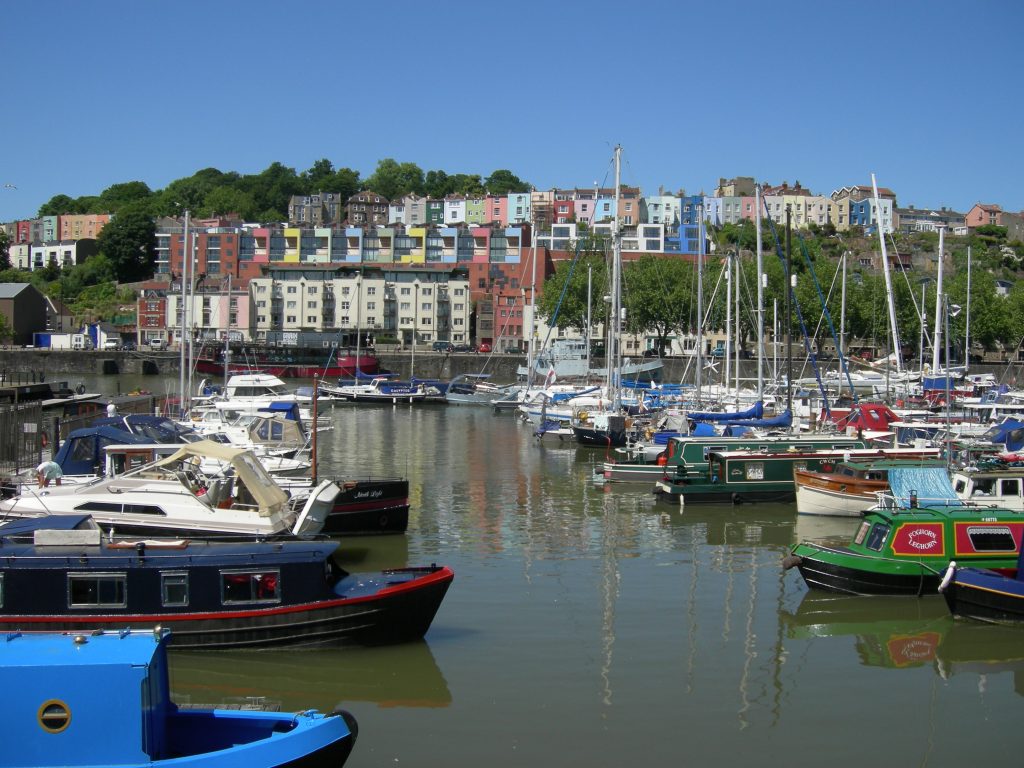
(60, 573)
(103, 698)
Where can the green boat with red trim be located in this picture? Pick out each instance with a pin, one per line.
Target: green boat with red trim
(904, 550)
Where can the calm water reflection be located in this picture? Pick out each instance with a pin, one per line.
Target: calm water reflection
(593, 627)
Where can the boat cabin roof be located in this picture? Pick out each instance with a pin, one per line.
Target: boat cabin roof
(125, 648)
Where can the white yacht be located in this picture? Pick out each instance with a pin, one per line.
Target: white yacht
(172, 497)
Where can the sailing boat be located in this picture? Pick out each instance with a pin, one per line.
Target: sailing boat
(610, 427)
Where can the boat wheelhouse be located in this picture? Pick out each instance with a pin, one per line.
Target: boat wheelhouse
(1002, 486)
(105, 699)
(59, 573)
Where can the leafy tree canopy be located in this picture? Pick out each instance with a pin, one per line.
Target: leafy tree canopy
(129, 242)
(502, 182)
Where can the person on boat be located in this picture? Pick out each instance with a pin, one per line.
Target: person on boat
(111, 410)
(47, 471)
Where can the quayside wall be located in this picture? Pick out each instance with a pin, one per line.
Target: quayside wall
(44, 364)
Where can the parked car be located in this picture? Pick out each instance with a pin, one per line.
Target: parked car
(128, 346)
(157, 343)
(463, 348)
(443, 346)
(112, 344)
(484, 348)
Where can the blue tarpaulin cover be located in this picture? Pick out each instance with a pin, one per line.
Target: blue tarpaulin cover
(931, 485)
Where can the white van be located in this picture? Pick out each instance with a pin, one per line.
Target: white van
(157, 343)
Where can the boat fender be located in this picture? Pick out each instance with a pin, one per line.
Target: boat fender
(80, 389)
(737, 499)
(791, 561)
(350, 721)
(383, 521)
(948, 576)
(583, 416)
(662, 460)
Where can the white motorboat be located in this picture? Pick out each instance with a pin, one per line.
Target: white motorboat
(172, 497)
(380, 389)
(474, 389)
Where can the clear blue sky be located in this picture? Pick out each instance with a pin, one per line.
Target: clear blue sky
(924, 94)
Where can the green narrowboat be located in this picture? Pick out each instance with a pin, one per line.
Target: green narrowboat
(687, 456)
(900, 550)
(750, 476)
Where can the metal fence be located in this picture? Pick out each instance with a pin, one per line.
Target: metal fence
(21, 437)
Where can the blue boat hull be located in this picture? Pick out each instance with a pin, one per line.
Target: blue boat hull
(976, 593)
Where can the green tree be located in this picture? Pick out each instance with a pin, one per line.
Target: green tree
(437, 184)
(117, 196)
(394, 180)
(503, 181)
(224, 200)
(316, 175)
(59, 205)
(658, 294)
(569, 309)
(5, 253)
(129, 242)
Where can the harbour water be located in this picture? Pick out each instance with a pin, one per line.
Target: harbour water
(592, 626)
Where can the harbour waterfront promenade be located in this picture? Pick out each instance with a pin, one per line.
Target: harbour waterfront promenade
(425, 364)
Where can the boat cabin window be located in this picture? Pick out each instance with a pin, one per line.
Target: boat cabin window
(251, 586)
(98, 506)
(877, 537)
(81, 449)
(983, 486)
(143, 509)
(173, 589)
(1, 590)
(991, 538)
(709, 448)
(1009, 487)
(89, 590)
(960, 486)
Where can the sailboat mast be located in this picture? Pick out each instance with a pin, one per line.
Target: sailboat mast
(938, 308)
(590, 322)
(967, 319)
(789, 317)
(893, 330)
(227, 335)
(614, 353)
(699, 351)
(728, 320)
(530, 351)
(760, 295)
(184, 282)
(736, 337)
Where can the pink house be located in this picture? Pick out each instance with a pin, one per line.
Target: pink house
(496, 210)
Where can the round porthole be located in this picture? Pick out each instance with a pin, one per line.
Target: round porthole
(54, 716)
